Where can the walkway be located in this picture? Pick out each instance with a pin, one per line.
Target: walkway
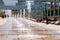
(19, 29)
(49, 27)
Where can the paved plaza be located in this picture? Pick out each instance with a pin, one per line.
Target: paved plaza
(22, 29)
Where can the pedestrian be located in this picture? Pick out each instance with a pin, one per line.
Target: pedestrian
(46, 20)
(59, 21)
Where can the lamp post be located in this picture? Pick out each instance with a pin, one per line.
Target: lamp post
(58, 7)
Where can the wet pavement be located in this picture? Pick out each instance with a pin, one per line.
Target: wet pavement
(15, 29)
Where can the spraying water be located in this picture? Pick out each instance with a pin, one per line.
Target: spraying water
(28, 7)
(29, 11)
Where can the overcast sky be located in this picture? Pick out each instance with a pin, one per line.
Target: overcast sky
(13, 2)
(10, 2)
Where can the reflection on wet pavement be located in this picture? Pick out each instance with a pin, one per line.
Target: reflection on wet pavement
(3, 20)
(15, 29)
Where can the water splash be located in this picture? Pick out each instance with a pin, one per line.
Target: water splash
(29, 4)
(28, 7)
